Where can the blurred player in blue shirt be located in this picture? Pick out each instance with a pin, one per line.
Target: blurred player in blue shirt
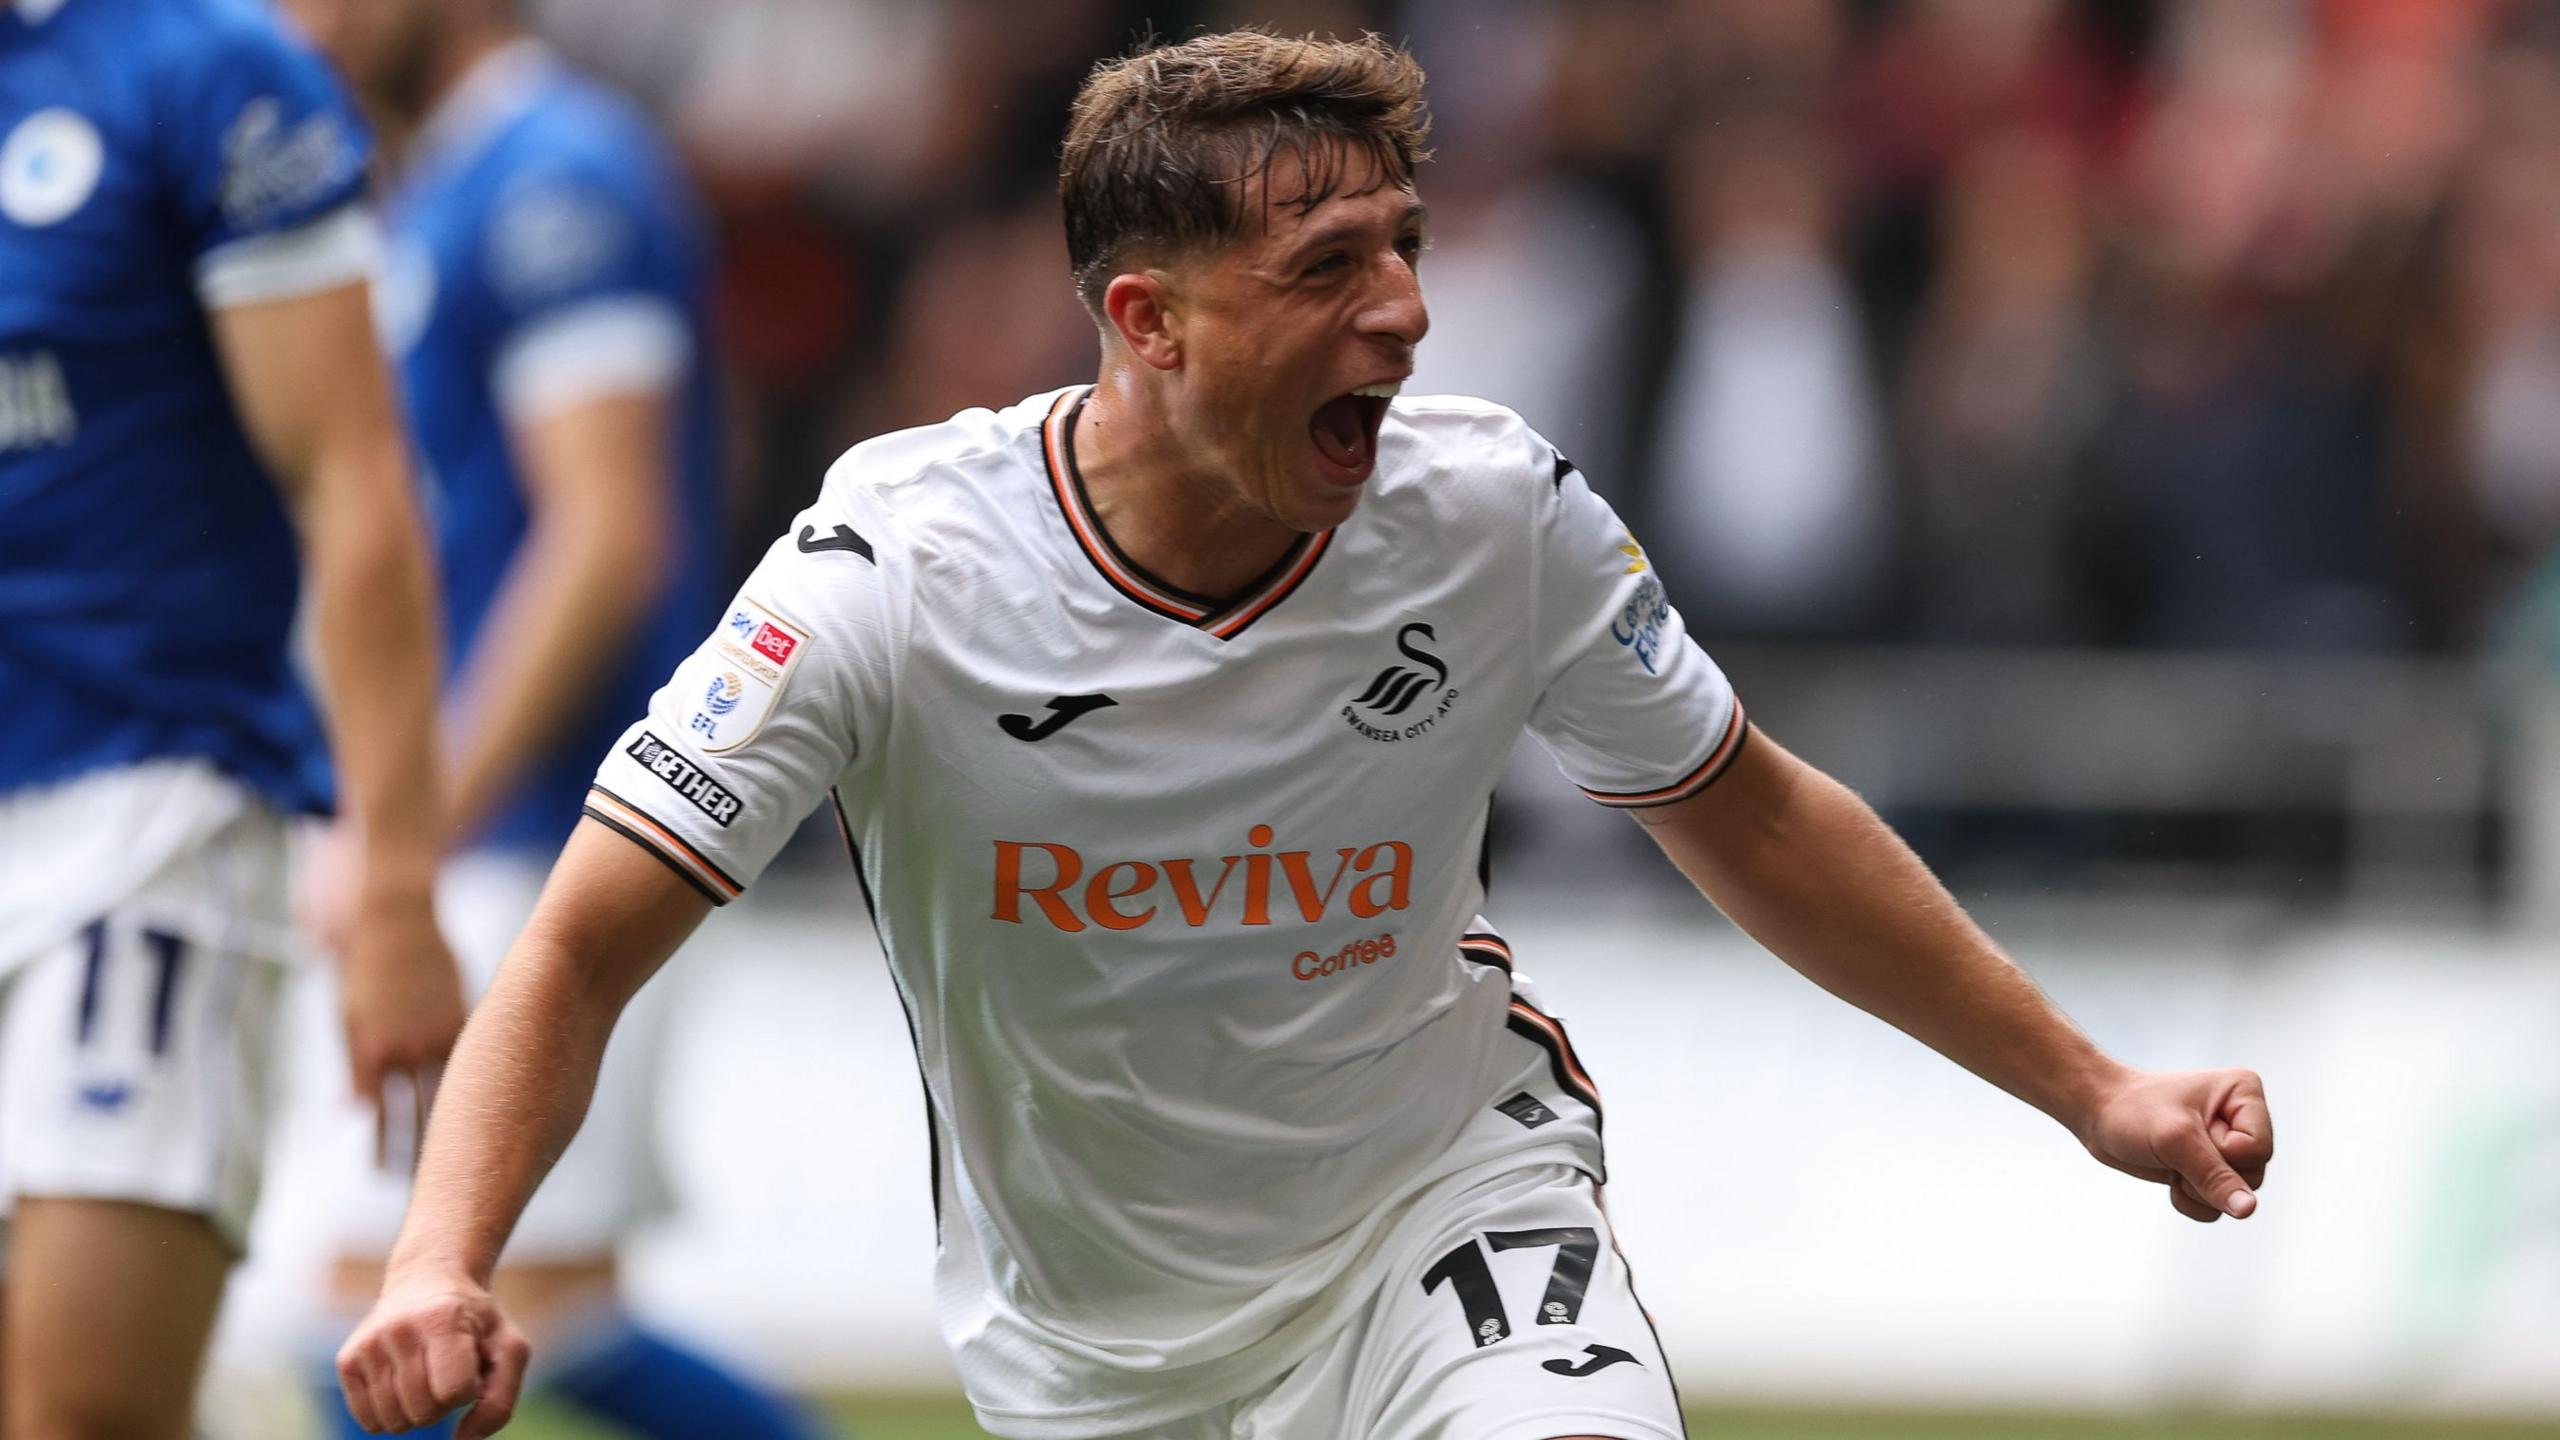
(192, 416)
(545, 300)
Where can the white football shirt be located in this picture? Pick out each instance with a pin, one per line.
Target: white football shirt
(1181, 893)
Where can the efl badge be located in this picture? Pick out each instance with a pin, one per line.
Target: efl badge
(731, 684)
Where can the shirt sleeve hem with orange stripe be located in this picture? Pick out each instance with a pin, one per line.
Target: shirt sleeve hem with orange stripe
(1719, 759)
(641, 829)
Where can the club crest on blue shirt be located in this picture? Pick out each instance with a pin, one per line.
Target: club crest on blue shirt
(49, 166)
(549, 238)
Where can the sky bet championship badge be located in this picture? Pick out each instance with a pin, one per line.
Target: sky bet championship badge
(732, 682)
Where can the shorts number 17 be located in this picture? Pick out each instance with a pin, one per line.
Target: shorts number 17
(1465, 1272)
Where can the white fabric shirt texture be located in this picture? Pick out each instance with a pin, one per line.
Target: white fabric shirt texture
(1182, 896)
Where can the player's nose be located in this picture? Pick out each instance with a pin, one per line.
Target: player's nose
(1395, 309)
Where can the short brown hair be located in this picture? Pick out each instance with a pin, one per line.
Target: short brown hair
(1160, 143)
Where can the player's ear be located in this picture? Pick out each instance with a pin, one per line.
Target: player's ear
(1140, 305)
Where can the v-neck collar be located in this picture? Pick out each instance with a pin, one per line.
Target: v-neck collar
(1223, 619)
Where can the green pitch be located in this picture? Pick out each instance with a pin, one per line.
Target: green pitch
(908, 1419)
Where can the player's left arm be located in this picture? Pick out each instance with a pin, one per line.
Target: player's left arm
(589, 274)
(261, 161)
(599, 490)
(1810, 871)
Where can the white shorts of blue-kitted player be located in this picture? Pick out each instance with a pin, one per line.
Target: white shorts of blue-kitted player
(142, 968)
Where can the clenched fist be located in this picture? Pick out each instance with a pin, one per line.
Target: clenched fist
(2205, 1134)
(428, 1350)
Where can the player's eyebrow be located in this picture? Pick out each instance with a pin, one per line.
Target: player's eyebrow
(1415, 217)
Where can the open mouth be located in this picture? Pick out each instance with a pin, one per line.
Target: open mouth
(1345, 430)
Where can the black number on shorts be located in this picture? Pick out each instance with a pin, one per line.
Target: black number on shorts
(95, 937)
(1576, 1247)
(1465, 1271)
(170, 950)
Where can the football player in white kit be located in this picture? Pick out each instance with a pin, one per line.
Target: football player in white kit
(1162, 715)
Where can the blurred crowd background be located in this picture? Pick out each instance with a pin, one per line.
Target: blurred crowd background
(2205, 328)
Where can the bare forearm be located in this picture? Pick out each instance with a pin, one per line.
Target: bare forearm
(572, 600)
(1830, 889)
(520, 1080)
(374, 626)
(309, 385)
(512, 1099)
(1809, 871)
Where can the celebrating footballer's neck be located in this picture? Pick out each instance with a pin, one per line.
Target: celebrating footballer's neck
(1244, 379)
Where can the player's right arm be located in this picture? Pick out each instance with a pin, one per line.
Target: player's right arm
(308, 382)
(692, 803)
(517, 1089)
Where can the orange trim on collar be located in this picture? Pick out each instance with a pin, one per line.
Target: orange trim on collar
(1222, 620)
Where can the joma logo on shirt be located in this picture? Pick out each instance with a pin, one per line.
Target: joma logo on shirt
(1128, 894)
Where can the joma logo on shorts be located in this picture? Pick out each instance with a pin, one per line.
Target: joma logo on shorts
(1368, 880)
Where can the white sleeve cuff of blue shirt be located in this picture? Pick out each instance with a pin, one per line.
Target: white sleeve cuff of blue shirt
(337, 249)
(620, 345)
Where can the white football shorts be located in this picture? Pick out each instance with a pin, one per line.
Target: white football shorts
(1501, 1309)
(137, 1044)
(612, 1178)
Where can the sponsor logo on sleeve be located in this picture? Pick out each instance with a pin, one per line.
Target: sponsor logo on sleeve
(774, 643)
(270, 168)
(685, 778)
(1639, 624)
(732, 683)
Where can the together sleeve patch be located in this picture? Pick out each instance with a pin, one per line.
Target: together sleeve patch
(685, 778)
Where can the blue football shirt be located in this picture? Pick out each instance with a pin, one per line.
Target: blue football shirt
(546, 250)
(158, 158)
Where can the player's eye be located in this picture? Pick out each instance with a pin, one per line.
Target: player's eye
(1412, 246)
(1328, 262)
